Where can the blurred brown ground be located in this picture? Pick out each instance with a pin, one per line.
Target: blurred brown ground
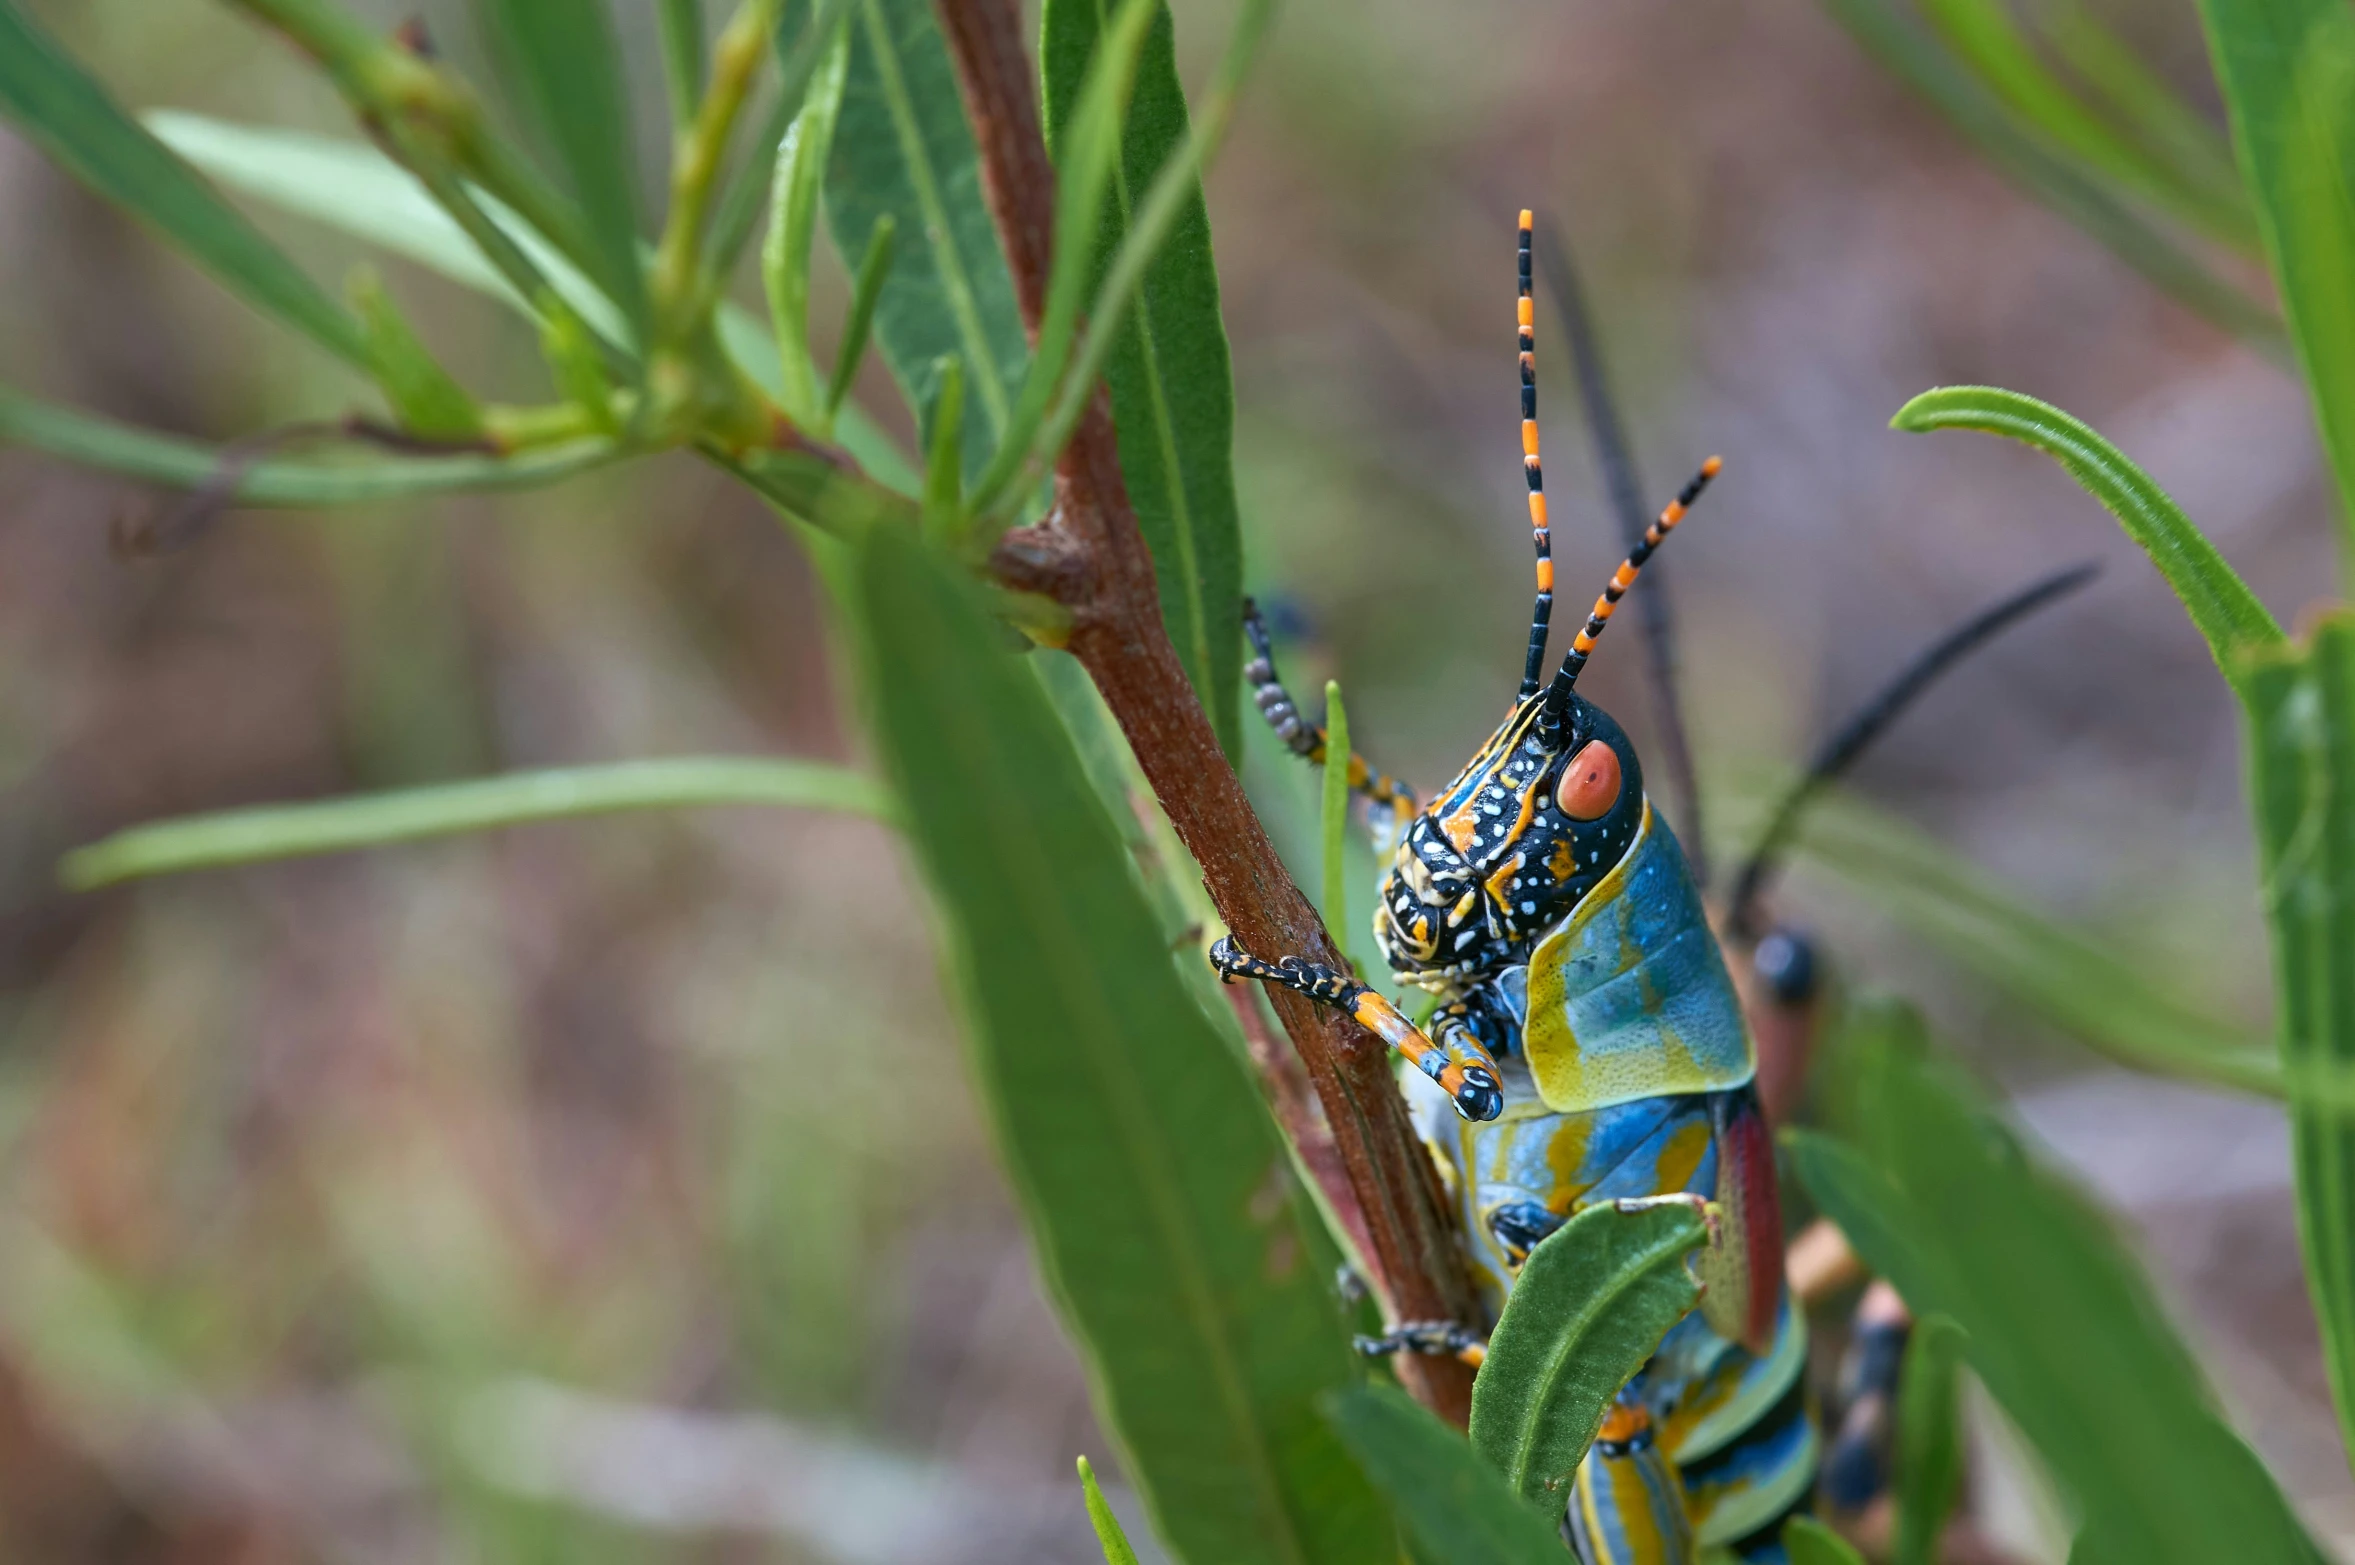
(316, 1182)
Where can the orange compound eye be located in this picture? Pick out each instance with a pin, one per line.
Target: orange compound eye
(1590, 783)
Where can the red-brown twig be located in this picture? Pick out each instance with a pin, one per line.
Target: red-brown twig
(1089, 556)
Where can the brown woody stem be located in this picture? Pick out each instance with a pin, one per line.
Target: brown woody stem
(1089, 556)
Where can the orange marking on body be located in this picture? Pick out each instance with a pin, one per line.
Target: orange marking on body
(1623, 1423)
(1529, 437)
(1528, 313)
(1461, 826)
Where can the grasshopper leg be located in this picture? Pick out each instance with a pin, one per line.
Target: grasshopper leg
(1463, 1069)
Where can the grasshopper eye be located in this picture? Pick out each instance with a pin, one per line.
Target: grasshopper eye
(1590, 783)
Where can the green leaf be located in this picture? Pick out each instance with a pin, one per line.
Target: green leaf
(423, 395)
(1929, 1439)
(2301, 748)
(1335, 812)
(2287, 70)
(944, 478)
(1809, 1542)
(2145, 103)
(1085, 160)
(1167, 1221)
(750, 186)
(682, 59)
(570, 64)
(903, 148)
(1454, 1504)
(281, 481)
(793, 226)
(1591, 1306)
(68, 114)
(372, 820)
(874, 266)
(1113, 1541)
(1156, 216)
(2063, 975)
(1987, 36)
(353, 188)
(1906, 50)
(2220, 604)
(2063, 1329)
(1173, 399)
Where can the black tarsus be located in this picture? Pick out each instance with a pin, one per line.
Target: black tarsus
(1615, 462)
(1870, 720)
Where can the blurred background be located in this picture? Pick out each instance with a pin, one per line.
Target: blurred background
(612, 1191)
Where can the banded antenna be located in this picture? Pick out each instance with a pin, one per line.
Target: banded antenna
(1541, 617)
(1557, 696)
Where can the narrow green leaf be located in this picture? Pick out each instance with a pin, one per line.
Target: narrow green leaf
(1459, 1511)
(1591, 1306)
(749, 187)
(873, 267)
(903, 149)
(682, 59)
(1906, 50)
(69, 115)
(2219, 602)
(839, 504)
(1173, 398)
(2063, 1330)
(280, 481)
(570, 64)
(1155, 219)
(2061, 974)
(1809, 1542)
(1109, 1537)
(944, 478)
(1085, 161)
(1929, 1438)
(2145, 103)
(793, 226)
(2301, 748)
(2287, 70)
(423, 396)
(1987, 36)
(353, 188)
(1166, 1218)
(372, 820)
(1335, 812)
(574, 363)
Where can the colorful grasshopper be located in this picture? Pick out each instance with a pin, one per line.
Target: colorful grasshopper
(1590, 1042)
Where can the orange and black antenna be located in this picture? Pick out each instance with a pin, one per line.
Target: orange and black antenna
(1543, 614)
(1581, 648)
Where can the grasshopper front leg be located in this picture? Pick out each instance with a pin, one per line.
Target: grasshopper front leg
(1463, 1069)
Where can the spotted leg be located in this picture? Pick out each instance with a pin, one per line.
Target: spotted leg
(1438, 1338)
(1392, 802)
(1463, 1069)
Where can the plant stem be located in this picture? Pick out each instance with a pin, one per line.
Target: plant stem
(1090, 556)
(696, 160)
